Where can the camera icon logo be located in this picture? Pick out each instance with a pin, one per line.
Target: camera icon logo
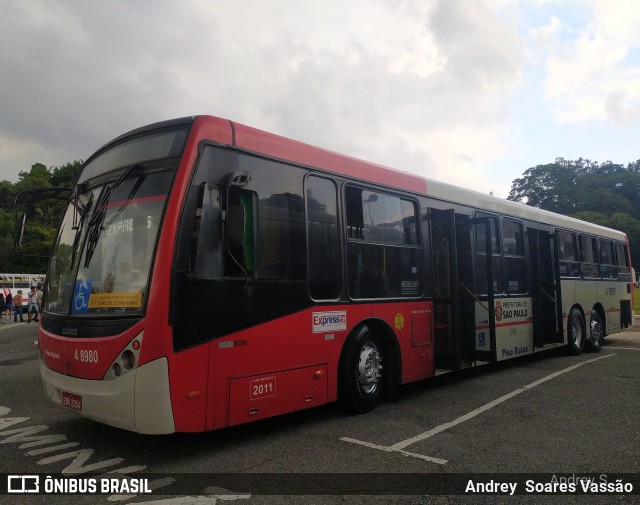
(20, 484)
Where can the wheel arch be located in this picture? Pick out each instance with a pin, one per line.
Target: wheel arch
(392, 377)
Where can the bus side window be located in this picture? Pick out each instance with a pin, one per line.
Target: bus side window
(515, 264)
(607, 261)
(355, 216)
(624, 273)
(588, 257)
(382, 245)
(569, 266)
(322, 239)
(481, 260)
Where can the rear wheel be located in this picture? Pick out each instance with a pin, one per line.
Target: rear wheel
(361, 372)
(596, 333)
(576, 332)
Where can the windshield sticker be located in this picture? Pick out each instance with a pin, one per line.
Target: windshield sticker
(113, 300)
(81, 293)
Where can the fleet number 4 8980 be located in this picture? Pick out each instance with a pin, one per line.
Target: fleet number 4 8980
(86, 356)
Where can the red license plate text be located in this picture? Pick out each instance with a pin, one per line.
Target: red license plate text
(72, 401)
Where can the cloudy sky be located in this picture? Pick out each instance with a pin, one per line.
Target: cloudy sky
(471, 92)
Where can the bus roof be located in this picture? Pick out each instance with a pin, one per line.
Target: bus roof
(491, 203)
(284, 148)
(275, 146)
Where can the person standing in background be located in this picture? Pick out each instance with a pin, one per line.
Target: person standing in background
(33, 307)
(9, 304)
(17, 307)
(40, 297)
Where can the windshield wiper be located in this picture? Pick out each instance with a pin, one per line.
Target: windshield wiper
(79, 227)
(97, 218)
(126, 201)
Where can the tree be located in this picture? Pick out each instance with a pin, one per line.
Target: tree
(44, 216)
(65, 175)
(607, 194)
(546, 186)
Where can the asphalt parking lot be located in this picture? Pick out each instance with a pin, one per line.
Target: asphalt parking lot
(534, 418)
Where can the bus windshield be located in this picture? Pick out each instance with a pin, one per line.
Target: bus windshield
(101, 263)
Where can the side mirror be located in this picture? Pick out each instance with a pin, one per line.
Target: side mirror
(25, 204)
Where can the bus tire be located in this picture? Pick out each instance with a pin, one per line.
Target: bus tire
(360, 378)
(575, 332)
(594, 344)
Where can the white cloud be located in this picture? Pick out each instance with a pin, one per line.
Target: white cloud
(419, 85)
(593, 79)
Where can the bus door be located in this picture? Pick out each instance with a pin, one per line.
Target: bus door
(480, 342)
(445, 289)
(545, 287)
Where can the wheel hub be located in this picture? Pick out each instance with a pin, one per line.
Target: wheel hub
(369, 368)
(596, 331)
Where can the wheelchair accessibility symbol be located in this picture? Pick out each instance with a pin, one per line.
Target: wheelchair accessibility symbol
(81, 293)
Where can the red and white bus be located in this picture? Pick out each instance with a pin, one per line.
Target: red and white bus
(208, 274)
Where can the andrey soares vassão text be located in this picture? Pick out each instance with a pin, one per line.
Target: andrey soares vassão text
(556, 485)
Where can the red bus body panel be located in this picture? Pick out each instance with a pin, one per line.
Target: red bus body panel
(300, 367)
(69, 356)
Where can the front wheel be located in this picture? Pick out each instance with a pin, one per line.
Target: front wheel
(575, 332)
(596, 333)
(360, 380)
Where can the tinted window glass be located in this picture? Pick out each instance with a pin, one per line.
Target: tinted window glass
(607, 260)
(382, 272)
(481, 236)
(622, 255)
(515, 265)
(513, 238)
(322, 239)
(588, 257)
(481, 266)
(387, 265)
(569, 266)
(622, 259)
(114, 234)
(377, 217)
(280, 248)
(156, 146)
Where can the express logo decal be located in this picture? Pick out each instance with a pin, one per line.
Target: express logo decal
(329, 321)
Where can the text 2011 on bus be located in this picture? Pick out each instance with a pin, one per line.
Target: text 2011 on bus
(207, 274)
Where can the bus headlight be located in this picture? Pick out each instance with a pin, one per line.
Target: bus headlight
(126, 360)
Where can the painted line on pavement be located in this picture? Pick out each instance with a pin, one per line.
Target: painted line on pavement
(400, 446)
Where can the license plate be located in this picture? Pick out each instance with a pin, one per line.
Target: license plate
(72, 401)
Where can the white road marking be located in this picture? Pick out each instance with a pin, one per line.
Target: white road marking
(34, 437)
(400, 446)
